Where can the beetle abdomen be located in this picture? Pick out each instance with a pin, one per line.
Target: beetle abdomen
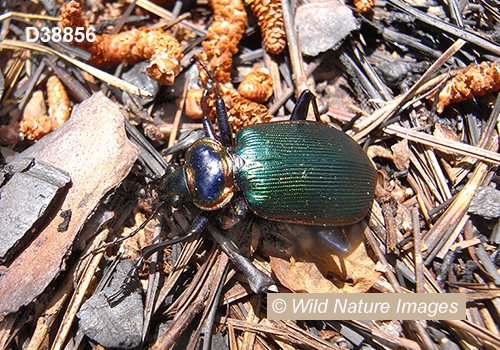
(307, 172)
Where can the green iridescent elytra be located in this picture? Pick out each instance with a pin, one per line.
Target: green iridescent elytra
(301, 171)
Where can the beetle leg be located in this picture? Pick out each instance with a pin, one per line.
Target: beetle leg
(259, 282)
(302, 106)
(186, 140)
(319, 240)
(334, 239)
(129, 284)
(234, 214)
(197, 226)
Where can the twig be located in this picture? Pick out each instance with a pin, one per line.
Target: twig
(153, 283)
(78, 296)
(440, 232)
(289, 92)
(188, 251)
(178, 114)
(385, 113)
(299, 76)
(124, 17)
(444, 144)
(99, 74)
(417, 246)
(476, 330)
(182, 319)
(488, 264)
(50, 314)
(448, 28)
(285, 334)
(29, 90)
(211, 311)
(428, 344)
(28, 16)
(383, 337)
(165, 14)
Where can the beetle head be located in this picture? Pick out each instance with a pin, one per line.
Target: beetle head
(173, 187)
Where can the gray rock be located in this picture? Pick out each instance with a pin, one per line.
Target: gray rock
(486, 203)
(117, 325)
(138, 76)
(323, 26)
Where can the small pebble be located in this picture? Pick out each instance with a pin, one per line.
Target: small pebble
(486, 203)
(323, 26)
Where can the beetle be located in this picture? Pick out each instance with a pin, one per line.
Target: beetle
(295, 171)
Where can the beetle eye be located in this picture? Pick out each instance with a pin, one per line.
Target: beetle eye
(176, 201)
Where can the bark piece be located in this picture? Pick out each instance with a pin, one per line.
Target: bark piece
(93, 148)
(24, 199)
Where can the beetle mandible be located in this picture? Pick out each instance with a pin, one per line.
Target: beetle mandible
(295, 171)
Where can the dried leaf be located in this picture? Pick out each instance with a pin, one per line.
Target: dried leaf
(36, 105)
(401, 154)
(445, 132)
(257, 86)
(379, 151)
(309, 276)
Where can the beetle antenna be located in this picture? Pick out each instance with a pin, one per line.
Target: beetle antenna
(212, 83)
(220, 108)
(205, 68)
(207, 125)
(121, 239)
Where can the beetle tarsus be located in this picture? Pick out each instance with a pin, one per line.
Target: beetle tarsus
(130, 283)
